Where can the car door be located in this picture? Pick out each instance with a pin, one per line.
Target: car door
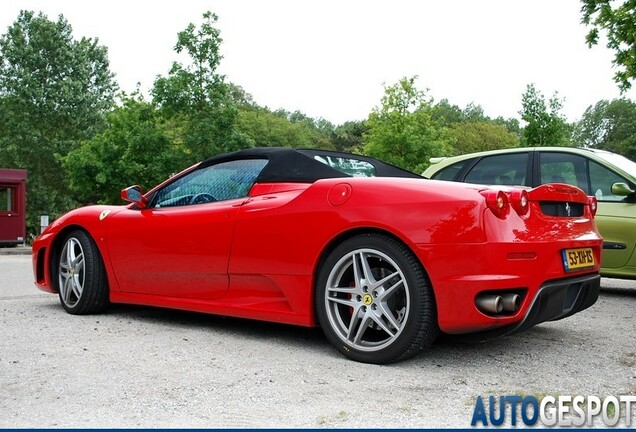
(615, 217)
(179, 246)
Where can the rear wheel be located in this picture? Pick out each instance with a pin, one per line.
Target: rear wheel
(374, 301)
(81, 275)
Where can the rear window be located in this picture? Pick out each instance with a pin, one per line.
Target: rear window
(351, 166)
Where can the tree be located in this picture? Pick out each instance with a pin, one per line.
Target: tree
(241, 98)
(401, 129)
(134, 149)
(474, 113)
(267, 129)
(511, 124)
(54, 91)
(446, 113)
(619, 21)
(349, 136)
(609, 126)
(198, 96)
(320, 128)
(545, 126)
(470, 137)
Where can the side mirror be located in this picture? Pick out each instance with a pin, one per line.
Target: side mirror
(134, 195)
(621, 189)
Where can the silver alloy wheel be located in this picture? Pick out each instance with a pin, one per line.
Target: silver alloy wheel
(367, 299)
(71, 272)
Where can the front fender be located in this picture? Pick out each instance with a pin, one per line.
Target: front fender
(93, 220)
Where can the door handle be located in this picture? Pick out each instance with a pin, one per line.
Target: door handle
(614, 246)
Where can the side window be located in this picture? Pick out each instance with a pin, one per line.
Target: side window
(350, 166)
(602, 180)
(505, 169)
(7, 203)
(450, 172)
(220, 182)
(563, 168)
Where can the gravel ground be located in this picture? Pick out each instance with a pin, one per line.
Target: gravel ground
(150, 368)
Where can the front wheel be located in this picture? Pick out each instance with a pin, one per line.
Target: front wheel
(374, 301)
(81, 275)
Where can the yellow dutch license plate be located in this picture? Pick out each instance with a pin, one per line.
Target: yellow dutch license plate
(578, 259)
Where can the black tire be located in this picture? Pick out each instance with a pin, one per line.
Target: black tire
(390, 298)
(80, 275)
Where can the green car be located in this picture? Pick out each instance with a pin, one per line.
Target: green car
(608, 176)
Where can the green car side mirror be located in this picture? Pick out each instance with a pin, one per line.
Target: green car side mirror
(621, 189)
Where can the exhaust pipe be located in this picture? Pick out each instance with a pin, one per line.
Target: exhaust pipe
(489, 303)
(511, 302)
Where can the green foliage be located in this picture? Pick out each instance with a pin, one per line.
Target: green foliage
(545, 126)
(470, 137)
(267, 129)
(242, 99)
(609, 126)
(402, 130)
(134, 149)
(446, 114)
(474, 113)
(54, 91)
(319, 128)
(619, 21)
(196, 96)
(192, 87)
(511, 124)
(349, 136)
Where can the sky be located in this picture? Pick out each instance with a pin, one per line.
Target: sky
(332, 58)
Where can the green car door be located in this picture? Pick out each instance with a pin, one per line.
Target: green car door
(615, 220)
(606, 176)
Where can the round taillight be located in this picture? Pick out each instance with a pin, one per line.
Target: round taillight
(593, 203)
(520, 201)
(497, 202)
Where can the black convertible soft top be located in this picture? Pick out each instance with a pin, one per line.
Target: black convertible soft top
(307, 165)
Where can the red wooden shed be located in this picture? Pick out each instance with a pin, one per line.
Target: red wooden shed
(12, 206)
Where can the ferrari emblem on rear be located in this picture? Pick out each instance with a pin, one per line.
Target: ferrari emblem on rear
(104, 214)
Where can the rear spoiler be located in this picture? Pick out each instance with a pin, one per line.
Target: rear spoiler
(558, 192)
(561, 192)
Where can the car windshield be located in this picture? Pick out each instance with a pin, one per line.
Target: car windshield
(620, 161)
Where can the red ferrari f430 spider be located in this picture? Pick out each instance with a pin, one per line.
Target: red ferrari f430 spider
(380, 258)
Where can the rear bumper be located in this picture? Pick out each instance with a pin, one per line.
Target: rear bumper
(534, 271)
(554, 300)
